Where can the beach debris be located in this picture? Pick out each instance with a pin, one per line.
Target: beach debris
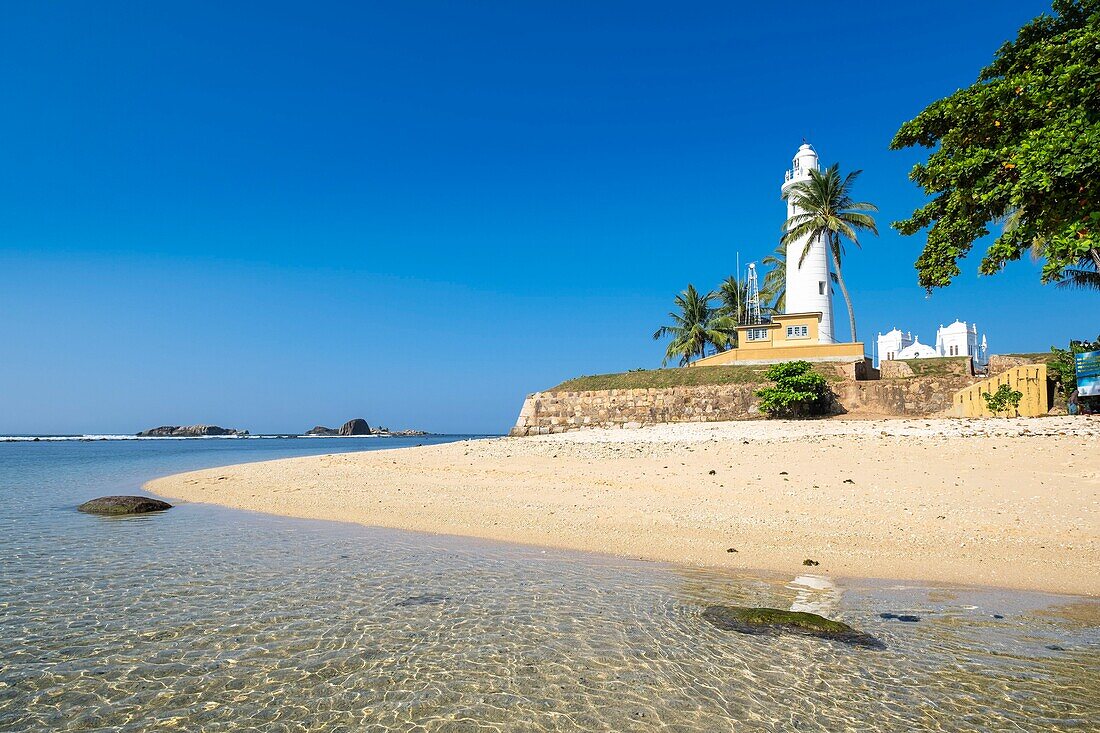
(810, 563)
(427, 599)
(906, 617)
(782, 473)
(116, 505)
(732, 549)
(1055, 648)
(849, 481)
(774, 622)
(711, 472)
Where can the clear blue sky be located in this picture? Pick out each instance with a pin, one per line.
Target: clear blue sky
(272, 216)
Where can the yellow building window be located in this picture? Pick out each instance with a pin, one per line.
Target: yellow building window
(798, 332)
(758, 334)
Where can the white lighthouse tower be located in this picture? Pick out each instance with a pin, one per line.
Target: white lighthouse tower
(808, 282)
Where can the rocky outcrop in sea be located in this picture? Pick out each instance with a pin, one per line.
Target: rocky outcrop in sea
(189, 431)
(355, 426)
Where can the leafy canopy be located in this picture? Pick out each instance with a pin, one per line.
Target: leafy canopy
(1062, 366)
(798, 391)
(1023, 141)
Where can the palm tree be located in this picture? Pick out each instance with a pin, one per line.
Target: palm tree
(775, 280)
(1086, 275)
(696, 326)
(733, 294)
(828, 212)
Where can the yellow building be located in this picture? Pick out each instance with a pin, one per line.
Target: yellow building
(788, 337)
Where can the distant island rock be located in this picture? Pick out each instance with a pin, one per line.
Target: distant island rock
(189, 431)
(116, 505)
(356, 426)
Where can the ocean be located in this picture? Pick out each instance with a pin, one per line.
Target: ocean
(208, 619)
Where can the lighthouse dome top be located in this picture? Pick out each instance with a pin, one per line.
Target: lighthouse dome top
(805, 153)
(805, 160)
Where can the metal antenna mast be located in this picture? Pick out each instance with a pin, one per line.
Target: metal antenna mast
(753, 299)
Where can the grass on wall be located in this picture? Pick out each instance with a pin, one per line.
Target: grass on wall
(937, 366)
(678, 377)
(1042, 357)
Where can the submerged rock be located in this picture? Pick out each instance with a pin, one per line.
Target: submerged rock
(774, 622)
(906, 617)
(123, 505)
(429, 599)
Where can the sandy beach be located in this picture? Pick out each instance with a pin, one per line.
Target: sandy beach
(1006, 503)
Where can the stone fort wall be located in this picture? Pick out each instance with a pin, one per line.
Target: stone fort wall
(556, 412)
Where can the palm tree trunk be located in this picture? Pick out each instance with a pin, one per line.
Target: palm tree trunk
(1095, 255)
(844, 292)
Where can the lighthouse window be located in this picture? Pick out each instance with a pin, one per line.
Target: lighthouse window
(821, 287)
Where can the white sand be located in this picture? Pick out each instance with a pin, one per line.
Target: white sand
(1011, 503)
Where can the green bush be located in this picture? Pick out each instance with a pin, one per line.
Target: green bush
(1062, 366)
(798, 391)
(1004, 398)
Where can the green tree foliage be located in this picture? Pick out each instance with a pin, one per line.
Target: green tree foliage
(1062, 366)
(798, 391)
(733, 294)
(696, 324)
(775, 279)
(1022, 142)
(829, 212)
(1004, 398)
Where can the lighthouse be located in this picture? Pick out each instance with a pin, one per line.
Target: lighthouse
(807, 277)
(805, 331)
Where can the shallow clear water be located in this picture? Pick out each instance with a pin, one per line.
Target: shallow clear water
(204, 619)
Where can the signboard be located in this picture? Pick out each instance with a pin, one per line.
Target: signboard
(1088, 374)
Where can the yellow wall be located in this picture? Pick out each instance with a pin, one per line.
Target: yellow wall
(743, 341)
(1030, 379)
(777, 332)
(788, 351)
(811, 321)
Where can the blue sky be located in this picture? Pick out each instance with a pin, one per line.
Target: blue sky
(271, 216)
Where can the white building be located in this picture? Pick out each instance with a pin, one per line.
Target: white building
(892, 343)
(958, 339)
(917, 350)
(808, 278)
